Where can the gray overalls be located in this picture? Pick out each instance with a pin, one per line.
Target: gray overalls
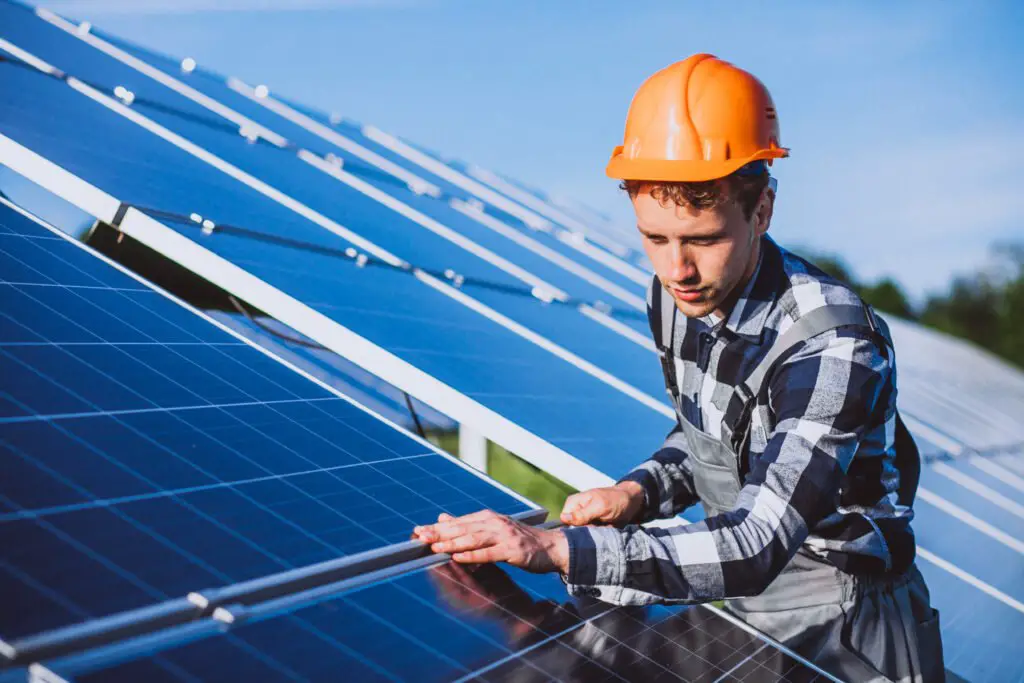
(857, 628)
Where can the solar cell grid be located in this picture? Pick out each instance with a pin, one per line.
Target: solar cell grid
(148, 453)
(336, 371)
(445, 623)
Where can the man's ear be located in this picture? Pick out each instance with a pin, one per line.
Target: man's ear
(762, 217)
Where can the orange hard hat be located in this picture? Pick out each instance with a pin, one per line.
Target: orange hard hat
(698, 119)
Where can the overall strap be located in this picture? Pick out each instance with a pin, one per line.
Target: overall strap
(658, 319)
(809, 326)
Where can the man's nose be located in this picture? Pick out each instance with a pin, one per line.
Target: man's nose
(682, 267)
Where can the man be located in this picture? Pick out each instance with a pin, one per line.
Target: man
(784, 386)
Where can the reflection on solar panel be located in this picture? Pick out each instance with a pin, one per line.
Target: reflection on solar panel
(446, 624)
(148, 453)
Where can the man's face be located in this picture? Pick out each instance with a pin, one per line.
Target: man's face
(700, 257)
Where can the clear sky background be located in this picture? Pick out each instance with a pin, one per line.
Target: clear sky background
(906, 120)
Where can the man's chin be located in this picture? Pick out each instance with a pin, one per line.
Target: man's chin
(695, 309)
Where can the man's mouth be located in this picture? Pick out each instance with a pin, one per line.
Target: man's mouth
(688, 294)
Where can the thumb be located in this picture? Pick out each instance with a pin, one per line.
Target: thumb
(572, 504)
(590, 507)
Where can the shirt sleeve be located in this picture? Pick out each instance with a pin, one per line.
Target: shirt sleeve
(823, 397)
(666, 479)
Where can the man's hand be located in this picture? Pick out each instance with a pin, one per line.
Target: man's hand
(616, 505)
(487, 536)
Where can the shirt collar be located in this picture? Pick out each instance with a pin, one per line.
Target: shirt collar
(749, 313)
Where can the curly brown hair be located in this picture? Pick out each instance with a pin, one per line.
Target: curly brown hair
(745, 189)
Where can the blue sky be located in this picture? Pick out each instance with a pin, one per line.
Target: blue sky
(906, 120)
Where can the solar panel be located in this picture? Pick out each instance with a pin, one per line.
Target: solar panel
(440, 330)
(148, 453)
(445, 624)
(368, 194)
(338, 372)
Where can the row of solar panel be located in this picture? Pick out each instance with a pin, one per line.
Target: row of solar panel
(149, 454)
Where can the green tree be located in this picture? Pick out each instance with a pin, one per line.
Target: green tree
(886, 295)
(987, 307)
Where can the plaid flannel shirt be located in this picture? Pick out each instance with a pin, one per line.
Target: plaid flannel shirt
(819, 471)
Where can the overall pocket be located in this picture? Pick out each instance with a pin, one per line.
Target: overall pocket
(715, 470)
(717, 485)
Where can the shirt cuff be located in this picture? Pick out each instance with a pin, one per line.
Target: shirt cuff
(597, 562)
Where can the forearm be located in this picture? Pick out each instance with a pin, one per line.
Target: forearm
(731, 555)
(635, 566)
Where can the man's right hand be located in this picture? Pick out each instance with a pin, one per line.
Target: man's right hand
(615, 505)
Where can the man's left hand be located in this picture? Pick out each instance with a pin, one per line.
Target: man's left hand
(487, 536)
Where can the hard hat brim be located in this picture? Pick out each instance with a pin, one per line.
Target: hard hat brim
(675, 170)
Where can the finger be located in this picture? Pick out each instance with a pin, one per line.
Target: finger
(585, 510)
(486, 527)
(494, 553)
(474, 517)
(572, 504)
(446, 531)
(426, 533)
(470, 541)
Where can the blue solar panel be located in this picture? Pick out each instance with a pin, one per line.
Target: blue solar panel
(338, 372)
(148, 453)
(335, 199)
(443, 625)
(562, 405)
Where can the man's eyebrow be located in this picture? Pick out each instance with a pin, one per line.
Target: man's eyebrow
(717, 234)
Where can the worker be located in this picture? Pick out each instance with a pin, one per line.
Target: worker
(784, 387)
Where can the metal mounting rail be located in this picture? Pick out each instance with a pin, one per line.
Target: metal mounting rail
(204, 603)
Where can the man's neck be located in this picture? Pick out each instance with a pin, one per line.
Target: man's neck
(725, 310)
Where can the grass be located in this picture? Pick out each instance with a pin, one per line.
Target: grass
(515, 473)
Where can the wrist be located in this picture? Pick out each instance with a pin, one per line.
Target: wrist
(631, 487)
(637, 496)
(558, 550)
